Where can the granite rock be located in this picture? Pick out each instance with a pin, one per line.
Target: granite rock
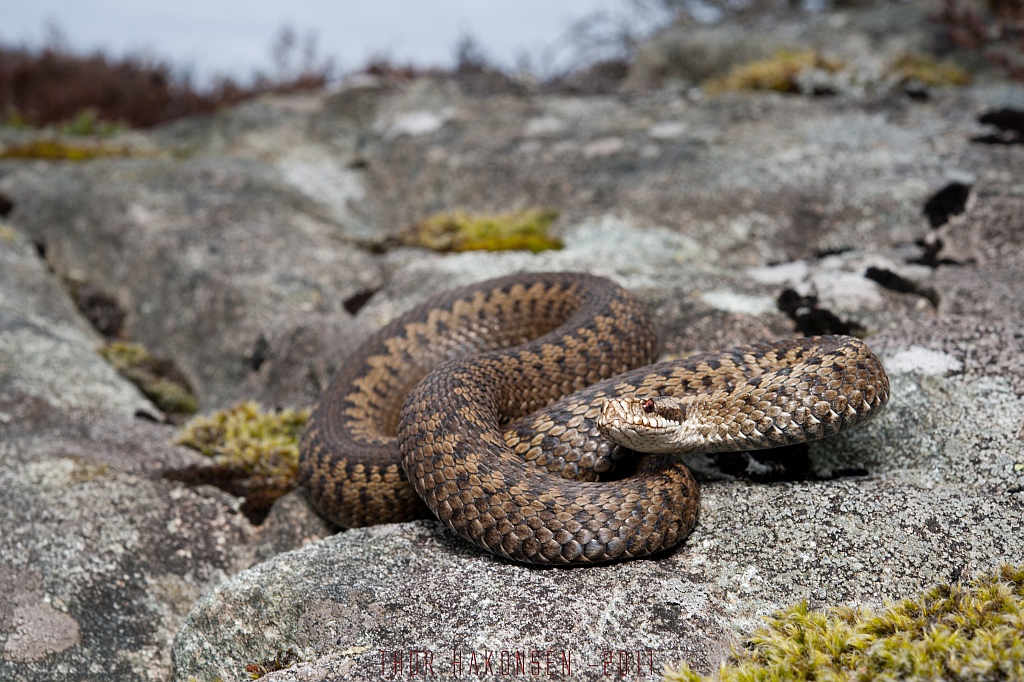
(256, 247)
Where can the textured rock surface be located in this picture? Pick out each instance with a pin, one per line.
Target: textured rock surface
(100, 559)
(244, 245)
(913, 499)
(686, 55)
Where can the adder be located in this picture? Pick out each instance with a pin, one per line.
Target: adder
(524, 414)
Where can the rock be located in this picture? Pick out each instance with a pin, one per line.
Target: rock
(686, 54)
(100, 558)
(57, 370)
(194, 251)
(355, 601)
(258, 246)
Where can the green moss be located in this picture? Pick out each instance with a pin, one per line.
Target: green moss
(259, 449)
(7, 234)
(155, 377)
(56, 150)
(952, 632)
(777, 73)
(462, 231)
(929, 71)
(780, 72)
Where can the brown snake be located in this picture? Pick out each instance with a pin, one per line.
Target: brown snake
(492, 400)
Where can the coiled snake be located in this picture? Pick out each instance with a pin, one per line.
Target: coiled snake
(492, 400)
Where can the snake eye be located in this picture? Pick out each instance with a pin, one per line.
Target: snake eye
(648, 406)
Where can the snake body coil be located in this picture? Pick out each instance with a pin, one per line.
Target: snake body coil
(491, 401)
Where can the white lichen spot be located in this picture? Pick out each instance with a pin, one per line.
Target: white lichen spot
(918, 360)
(323, 180)
(732, 302)
(791, 273)
(543, 125)
(603, 147)
(667, 130)
(415, 123)
(847, 291)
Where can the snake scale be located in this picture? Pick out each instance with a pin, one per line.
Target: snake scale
(494, 407)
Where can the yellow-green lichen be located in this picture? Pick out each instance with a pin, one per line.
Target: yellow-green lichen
(952, 632)
(462, 231)
(155, 377)
(778, 73)
(85, 471)
(781, 72)
(56, 150)
(7, 234)
(259, 449)
(927, 70)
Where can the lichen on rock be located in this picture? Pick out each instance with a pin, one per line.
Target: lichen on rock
(815, 72)
(972, 631)
(155, 377)
(259, 450)
(57, 150)
(463, 231)
(778, 73)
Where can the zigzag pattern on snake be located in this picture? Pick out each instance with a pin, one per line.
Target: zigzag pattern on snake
(485, 407)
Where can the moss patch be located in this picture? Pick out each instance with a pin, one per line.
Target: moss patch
(951, 632)
(926, 70)
(256, 452)
(56, 150)
(462, 231)
(158, 379)
(779, 73)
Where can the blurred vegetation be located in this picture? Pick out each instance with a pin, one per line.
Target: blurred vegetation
(96, 93)
(462, 231)
(783, 71)
(778, 73)
(56, 150)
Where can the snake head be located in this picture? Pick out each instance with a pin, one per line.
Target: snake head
(650, 424)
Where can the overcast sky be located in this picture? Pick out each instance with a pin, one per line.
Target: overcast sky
(235, 36)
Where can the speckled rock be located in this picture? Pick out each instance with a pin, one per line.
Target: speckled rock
(211, 259)
(243, 261)
(100, 558)
(257, 246)
(686, 54)
(57, 368)
(354, 606)
(915, 498)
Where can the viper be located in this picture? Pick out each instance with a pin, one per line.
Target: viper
(524, 413)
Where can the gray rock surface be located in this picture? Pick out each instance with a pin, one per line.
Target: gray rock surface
(100, 558)
(242, 245)
(686, 54)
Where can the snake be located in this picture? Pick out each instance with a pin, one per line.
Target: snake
(525, 413)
